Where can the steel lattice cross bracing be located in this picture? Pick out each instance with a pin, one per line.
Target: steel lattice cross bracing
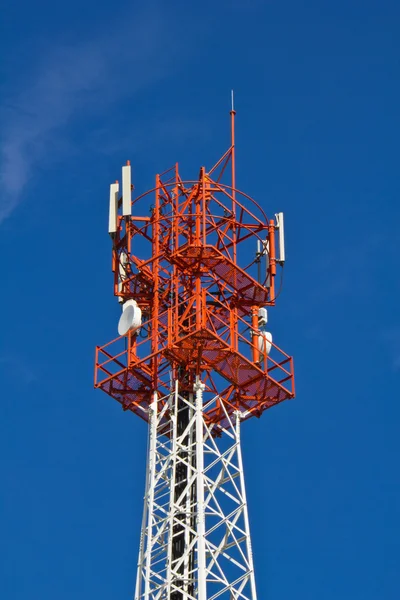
(206, 508)
(195, 276)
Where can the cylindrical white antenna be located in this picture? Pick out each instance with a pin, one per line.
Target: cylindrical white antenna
(126, 190)
(113, 212)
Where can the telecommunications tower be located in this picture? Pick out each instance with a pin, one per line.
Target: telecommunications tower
(195, 267)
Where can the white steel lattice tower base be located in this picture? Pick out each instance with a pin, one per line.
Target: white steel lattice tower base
(195, 540)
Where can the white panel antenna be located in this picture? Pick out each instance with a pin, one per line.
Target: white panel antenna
(126, 190)
(281, 228)
(113, 213)
(262, 317)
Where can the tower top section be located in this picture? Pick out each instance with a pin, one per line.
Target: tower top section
(195, 265)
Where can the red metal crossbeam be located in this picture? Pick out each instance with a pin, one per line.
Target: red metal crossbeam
(184, 264)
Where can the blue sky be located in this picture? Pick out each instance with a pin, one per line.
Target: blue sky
(88, 85)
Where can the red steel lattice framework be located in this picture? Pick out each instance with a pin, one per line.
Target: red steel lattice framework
(185, 266)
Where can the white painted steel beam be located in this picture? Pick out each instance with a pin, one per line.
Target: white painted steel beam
(209, 510)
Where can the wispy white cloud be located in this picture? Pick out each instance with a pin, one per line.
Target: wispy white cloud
(73, 81)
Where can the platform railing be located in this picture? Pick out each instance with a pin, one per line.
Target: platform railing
(177, 325)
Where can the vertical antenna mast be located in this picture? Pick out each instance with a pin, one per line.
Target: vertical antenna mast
(233, 162)
(194, 361)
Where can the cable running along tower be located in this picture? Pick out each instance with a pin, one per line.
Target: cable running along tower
(195, 265)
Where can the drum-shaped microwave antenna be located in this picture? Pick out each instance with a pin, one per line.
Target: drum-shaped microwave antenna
(131, 318)
(265, 342)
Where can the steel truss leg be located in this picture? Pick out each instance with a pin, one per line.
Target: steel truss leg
(195, 539)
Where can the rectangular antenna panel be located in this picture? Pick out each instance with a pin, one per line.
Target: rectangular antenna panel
(281, 228)
(112, 216)
(126, 191)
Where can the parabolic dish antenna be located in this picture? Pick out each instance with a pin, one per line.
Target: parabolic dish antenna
(130, 319)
